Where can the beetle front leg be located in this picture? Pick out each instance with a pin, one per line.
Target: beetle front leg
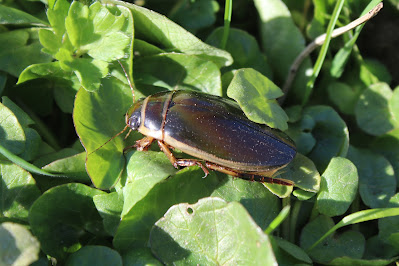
(144, 143)
(141, 144)
(181, 162)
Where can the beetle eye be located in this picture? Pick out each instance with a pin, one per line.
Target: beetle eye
(135, 120)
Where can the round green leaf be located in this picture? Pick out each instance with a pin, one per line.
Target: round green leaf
(178, 71)
(282, 42)
(338, 187)
(140, 256)
(144, 171)
(12, 136)
(260, 203)
(373, 71)
(195, 15)
(394, 105)
(377, 181)
(17, 191)
(389, 226)
(206, 233)
(373, 111)
(331, 134)
(303, 172)
(94, 255)
(388, 145)
(343, 96)
(256, 95)
(293, 250)
(98, 117)
(349, 243)
(244, 49)
(188, 185)
(157, 29)
(301, 133)
(110, 207)
(64, 217)
(18, 245)
(71, 166)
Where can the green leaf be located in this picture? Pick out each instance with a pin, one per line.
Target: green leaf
(388, 227)
(351, 261)
(94, 255)
(18, 245)
(33, 139)
(56, 16)
(158, 29)
(377, 181)
(256, 95)
(144, 171)
(110, 208)
(174, 71)
(331, 134)
(292, 250)
(32, 144)
(344, 96)
(260, 203)
(18, 191)
(52, 71)
(206, 233)
(71, 166)
(394, 105)
(301, 133)
(9, 15)
(338, 187)
(63, 217)
(98, 117)
(348, 243)
(12, 135)
(282, 42)
(372, 71)
(373, 111)
(96, 31)
(244, 49)
(303, 172)
(188, 185)
(194, 15)
(18, 50)
(358, 217)
(377, 248)
(21, 115)
(322, 12)
(140, 256)
(88, 71)
(388, 145)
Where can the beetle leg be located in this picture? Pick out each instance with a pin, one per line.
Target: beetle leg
(247, 176)
(192, 162)
(181, 162)
(144, 143)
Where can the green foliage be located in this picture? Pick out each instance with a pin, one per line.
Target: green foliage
(75, 191)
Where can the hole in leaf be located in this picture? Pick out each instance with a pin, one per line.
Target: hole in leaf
(190, 210)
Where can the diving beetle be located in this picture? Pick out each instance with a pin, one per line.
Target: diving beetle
(214, 130)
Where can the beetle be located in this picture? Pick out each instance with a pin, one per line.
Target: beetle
(213, 129)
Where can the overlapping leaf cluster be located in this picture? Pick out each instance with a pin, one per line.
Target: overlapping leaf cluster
(85, 200)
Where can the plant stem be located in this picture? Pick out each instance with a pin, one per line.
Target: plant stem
(227, 20)
(320, 40)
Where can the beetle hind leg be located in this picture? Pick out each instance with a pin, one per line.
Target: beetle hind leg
(248, 176)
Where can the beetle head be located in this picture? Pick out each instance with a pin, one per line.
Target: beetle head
(133, 115)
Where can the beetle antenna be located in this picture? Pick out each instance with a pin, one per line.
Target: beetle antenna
(128, 79)
(123, 130)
